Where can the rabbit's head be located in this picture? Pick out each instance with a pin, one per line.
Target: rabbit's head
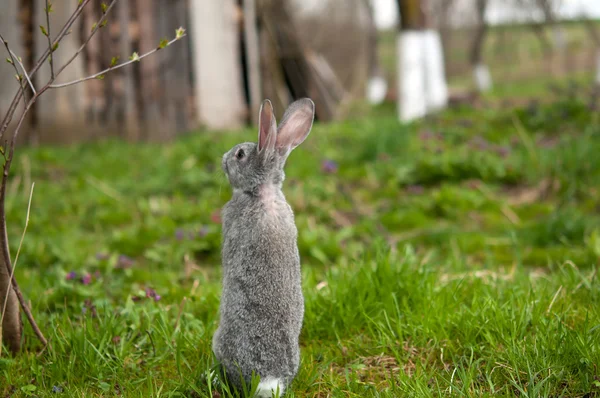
(250, 165)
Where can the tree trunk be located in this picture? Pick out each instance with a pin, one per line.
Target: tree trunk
(252, 57)
(216, 53)
(130, 124)
(62, 112)
(148, 90)
(411, 101)
(481, 72)
(412, 16)
(11, 320)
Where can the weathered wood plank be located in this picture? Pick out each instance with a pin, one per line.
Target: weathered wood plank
(214, 33)
(60, 112)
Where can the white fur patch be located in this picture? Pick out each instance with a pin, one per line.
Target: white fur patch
(269, 386)
(268, 194)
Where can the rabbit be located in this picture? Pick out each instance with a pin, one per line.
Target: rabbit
(262, 305)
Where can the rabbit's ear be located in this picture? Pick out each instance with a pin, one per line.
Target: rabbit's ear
(267, 127)
(295, 125)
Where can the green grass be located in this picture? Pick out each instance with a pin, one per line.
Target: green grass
(457, 256)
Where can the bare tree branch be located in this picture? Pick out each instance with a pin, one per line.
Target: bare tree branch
(101, 73)
(50, 49)
(97, 26)
(13, 62)
(63, 32)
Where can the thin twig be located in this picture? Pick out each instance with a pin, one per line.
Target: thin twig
(13, 63)
(13, 106)
(14, 56)
(49, 40)
(18, 251)
(96, 75)
(97, 27)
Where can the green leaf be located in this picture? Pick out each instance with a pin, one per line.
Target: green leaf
(28, 388)
(43, 30)
(163, 43)
(100, 77)
(134, 57)
(9, 61)
(104, 386)
(55, 46)
(113, 61)
(179, 33)
(104, 8)
(49, 9)
(103, 24)
(94, 26)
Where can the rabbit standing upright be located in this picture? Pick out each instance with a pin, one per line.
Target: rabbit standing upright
(262, 305)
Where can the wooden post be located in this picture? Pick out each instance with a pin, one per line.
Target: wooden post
(61, 113)
(252, 58)
(148, 91)
(218, 81)
(130, 125)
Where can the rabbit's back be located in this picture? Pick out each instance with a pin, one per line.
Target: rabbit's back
(261, 304)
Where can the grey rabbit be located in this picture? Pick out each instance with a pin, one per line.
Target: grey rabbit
(262, 306)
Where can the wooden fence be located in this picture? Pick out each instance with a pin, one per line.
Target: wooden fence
(212, 78)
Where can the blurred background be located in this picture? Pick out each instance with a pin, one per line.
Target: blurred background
(341, 53)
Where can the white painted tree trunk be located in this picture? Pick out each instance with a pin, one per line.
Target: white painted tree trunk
(422, 84)
(435, 76)
(376, 89)
(412, 102)
(60, 111)
(483, 78)
(215, 43)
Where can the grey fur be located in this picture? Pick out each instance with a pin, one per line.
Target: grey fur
(262, 306)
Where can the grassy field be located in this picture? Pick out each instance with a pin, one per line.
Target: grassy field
(514, 54)
(457, 256)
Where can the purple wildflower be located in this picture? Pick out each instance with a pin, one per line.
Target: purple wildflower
(86, 279)
(203, 231)
(415, 189)
(57, 389)
(124, 262)
(71, 275)
(101, 256)
(151, 293)
(503, 151)
(426, 135)
(329, 166)
(179, 234)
